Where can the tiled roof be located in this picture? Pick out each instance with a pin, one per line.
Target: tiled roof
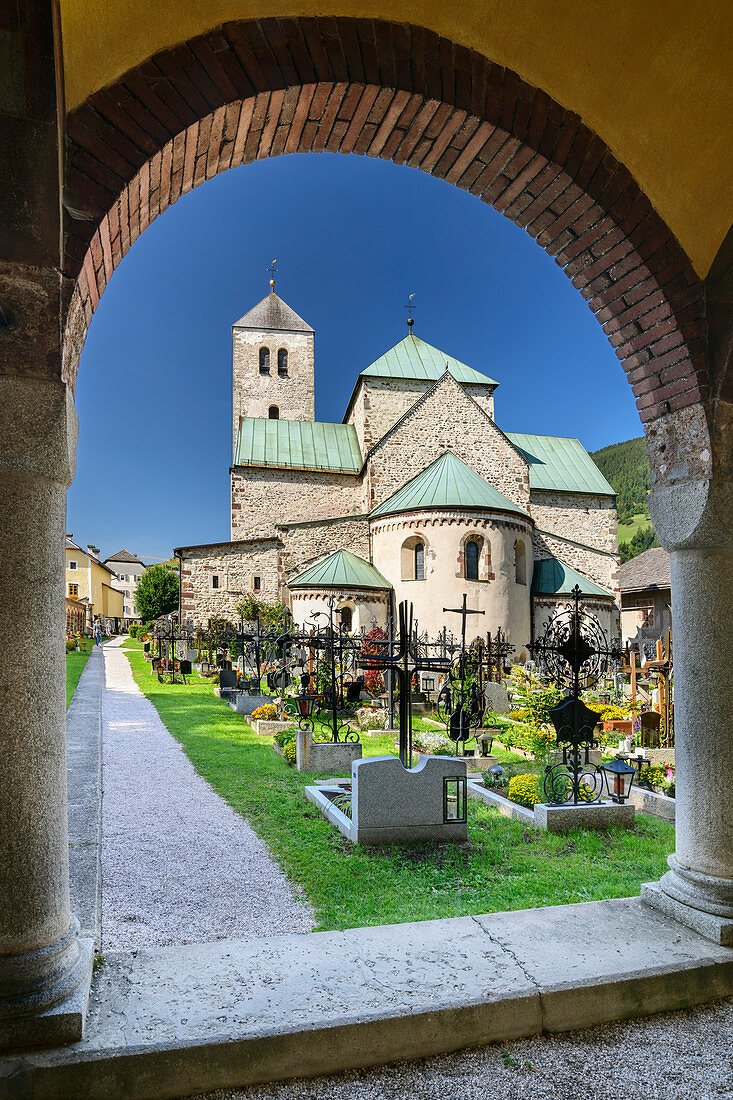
(413, 358)
(124, 555)
(556, 462)
(341, 570)
(552, 577)
(272, 314)
(647, 570)
(297, 445)
(446, 483)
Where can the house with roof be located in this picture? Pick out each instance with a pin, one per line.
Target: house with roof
(127, 569)
(417, 494)
(646, 598)
(91, 582)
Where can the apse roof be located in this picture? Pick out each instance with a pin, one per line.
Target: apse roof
(556, 462)
(341, 570)
(272, 314)
(298, 445)
(446, 483)
(413, 358)
(552, 577)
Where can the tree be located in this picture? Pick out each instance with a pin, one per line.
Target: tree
(157, 592)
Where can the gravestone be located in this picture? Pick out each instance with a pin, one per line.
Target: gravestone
(324, 756)
(497, 698)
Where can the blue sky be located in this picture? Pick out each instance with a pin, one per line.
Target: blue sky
(352, 237)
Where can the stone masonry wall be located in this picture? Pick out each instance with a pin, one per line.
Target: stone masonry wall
(303, 543)
(262, 498)
(447, 420)
(253, 393)
(578, 518)
(236, 564)
(381, 402)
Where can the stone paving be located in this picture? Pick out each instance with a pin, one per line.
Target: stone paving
(178, 864)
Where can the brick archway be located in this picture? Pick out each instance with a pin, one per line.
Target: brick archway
(250, 90)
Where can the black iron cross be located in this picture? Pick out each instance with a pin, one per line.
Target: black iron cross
(404, 661)
(464, 612)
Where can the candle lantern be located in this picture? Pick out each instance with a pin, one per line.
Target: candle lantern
(619, 775)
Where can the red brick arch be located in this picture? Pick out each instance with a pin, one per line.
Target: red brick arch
(249, 90)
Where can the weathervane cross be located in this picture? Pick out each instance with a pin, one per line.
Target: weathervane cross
(273, 271)
(410, 307)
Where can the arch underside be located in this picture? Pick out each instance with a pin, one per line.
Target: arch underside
(246, 91)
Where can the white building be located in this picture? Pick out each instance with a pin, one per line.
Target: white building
(127, 569)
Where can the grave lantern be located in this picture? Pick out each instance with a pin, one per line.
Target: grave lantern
(205, 668)
(306, 705)
(619, 775)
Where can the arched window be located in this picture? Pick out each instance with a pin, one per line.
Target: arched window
(282, 363)
(419, 562)
(472, 556)
(264, 360)
(346, 618)
(413, 559)
(520, 562)
(273, 412)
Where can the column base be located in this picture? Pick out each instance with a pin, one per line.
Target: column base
(44, 994)
(712, 927)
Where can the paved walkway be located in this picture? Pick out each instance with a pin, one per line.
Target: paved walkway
(178, 864)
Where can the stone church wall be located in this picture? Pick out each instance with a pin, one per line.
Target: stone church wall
(254, 393)
(262, 498)
(578, 518)
(304, 543)
(235, 564)
(447, 420)
(381, 402)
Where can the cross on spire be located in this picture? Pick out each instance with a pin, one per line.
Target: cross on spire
(410, 307)
(273, 271)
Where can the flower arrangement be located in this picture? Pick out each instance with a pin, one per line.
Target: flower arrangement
(289, 752)
(525, 790)
(268, 712)
(436, 744)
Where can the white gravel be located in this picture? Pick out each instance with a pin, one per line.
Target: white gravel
(178, 864)
(676, 1056)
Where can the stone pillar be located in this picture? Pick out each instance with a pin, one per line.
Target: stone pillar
(45, 969)
(698, 888)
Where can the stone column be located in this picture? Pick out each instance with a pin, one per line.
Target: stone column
(44, 968)
(698, 888)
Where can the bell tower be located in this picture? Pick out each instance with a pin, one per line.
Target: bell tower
(273, 372)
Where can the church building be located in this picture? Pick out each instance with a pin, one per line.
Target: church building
(417, 494)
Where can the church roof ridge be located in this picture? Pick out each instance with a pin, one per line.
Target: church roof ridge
(448, 482)
(272, 314)
(341, 569)
(413, 357)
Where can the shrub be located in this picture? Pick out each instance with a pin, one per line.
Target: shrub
(525, 790)
(520, 715)
(289, 752)
(268, 711)
(285, 737)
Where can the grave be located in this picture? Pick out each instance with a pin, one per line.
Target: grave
(324, 756)
(599, 815)
(391, 804)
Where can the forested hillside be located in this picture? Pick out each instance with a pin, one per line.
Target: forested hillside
(626, 466)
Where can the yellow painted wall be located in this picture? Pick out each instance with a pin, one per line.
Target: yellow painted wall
(105, 599)
(651, 77)
(111, 602)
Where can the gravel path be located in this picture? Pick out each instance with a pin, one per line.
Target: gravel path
(178, 864)
(676, 1056)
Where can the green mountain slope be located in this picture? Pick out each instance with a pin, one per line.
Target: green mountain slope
(626, 466)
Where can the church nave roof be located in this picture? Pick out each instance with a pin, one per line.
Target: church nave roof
(413, 358)
(560, 463)
(448, 482)
(298, 445)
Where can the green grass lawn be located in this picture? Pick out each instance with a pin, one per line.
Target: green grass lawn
(75, 663)
(503, 866)
(639, 522)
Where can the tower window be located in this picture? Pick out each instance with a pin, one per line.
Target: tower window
(264, 360)
(282, 363)
(273, 412)
(472, 553)
(520, 562)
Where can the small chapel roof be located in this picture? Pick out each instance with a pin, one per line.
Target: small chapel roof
(413, 358)
(552, 577)
(298, 445)
(124, 555)
(272, 314)
(341, 570)
(446, 483)
(559, 463)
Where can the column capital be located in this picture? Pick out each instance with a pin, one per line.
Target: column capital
(695, 514)
(39, 428)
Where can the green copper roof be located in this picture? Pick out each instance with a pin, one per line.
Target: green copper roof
(340, 570)
(298, 445)
(559, 463)
(446, 483)
(413, 358)
(554, 578)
